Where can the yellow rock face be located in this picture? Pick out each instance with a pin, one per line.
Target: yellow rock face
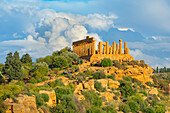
(26, 104)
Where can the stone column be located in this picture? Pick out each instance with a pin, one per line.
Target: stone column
(107, 47)
(117, 48)
(127, 50)
(100, 47)
(125, 47)
(111, 52)
(114, 47)
(120, 48)
(104, 49)
(93, 47)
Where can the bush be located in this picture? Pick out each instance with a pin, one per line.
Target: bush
(93, 98)
(127, 78)
(149, 84)
(113, 76)
(39, 100)
(106, 62)
(133, 106)
(60, 91)
(33, 80)
(57, 82)
(110, 108)
(134, 80)
(99, 87)
(124, 107)
(160, 109)
(149, 110)
(144, 93)
(99, 75)
(117, 64)
(45, 97)
(3, 107)
(126, 88)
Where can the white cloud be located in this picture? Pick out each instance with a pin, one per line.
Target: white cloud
(126, 29)
(49, 31)
(151, 60)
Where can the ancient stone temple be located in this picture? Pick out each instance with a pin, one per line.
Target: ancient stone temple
(86, 49)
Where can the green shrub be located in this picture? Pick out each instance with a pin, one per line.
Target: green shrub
(149, 84)
(39, 100)
(110, 108)
(106, 62)
(149, 110)
(3, 107)
(144, 93)
(45, 97)
(124, 107)
(60, 91)
(57, 82)
(2, 80)
(133, 106)
(99, 75)
(126, 88)
(33, 80)
(134, 80)
(160, 109)
(127, 78)
(117, 64)
(112, 76)
(28, 93)
(93, 98)
(99, 87)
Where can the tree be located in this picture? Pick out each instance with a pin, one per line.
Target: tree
(60, 61)
(13, 67)
(157, 69)
(106, 62)
(26, 58)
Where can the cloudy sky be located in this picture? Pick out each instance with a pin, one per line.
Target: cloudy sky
(39, 27)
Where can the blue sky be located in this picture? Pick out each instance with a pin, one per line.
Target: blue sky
(39, 27)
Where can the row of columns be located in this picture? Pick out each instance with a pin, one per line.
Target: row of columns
(114, 49)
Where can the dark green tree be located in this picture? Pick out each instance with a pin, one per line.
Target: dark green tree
(60, 61)
(13, 67)
(26, 58)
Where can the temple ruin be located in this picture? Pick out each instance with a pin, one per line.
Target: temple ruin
(86, 49)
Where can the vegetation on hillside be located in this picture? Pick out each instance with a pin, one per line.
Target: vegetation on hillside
(18, 76)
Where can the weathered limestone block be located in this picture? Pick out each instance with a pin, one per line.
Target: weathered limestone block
(89, 85)
(26, 104)
(78, 89)
(52, 97)
(153, 91)
(113, 84)
(108, 95)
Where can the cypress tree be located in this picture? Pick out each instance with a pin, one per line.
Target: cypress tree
(13, 67)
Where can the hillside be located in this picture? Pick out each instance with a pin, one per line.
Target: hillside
(64, 83)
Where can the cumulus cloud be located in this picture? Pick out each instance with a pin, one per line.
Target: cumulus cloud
(151, 60)
(49, 31)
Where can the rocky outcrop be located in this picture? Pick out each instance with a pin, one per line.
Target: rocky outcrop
(24, 104)
(153, 91)
(52, 97)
